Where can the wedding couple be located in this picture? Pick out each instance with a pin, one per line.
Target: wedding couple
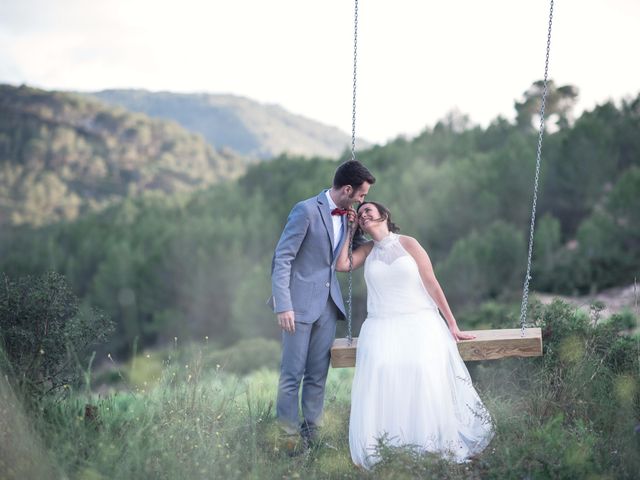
(410, 386)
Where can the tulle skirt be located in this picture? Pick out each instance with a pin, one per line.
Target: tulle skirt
(412, 388)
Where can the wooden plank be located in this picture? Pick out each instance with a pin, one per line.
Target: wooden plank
(488, 345)
(343, 355)
(503, 343)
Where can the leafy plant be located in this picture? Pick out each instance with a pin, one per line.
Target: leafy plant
(44, 333)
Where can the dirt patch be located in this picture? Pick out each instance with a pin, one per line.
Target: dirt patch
(615, 300)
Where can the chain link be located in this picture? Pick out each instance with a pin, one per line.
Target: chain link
(355, 71)
(353, 157)
(349, 301)
(527, 278)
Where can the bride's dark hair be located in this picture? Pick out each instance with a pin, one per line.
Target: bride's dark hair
(385, 214)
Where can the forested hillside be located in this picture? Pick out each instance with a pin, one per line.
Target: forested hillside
(198, 265)
(63, 154)
(248, 127)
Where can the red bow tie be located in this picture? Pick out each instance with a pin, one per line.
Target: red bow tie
(339, 211)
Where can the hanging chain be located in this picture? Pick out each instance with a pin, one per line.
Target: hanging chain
(527, 278)
(355, 71)
(353, 157)
(349, 334)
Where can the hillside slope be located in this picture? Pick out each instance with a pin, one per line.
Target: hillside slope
(246, 126)
(62, 154)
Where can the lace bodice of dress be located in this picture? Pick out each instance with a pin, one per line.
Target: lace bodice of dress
(394, 285)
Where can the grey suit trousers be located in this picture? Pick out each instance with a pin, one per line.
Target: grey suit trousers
(305, 358)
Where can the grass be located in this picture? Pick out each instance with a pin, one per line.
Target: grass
(570, 414)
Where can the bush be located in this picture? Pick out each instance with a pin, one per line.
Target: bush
(44, 333)
(484, 265)
(490, 314)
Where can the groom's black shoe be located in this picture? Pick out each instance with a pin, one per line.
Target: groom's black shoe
(294, 444)
(311, 440)
(310, 435)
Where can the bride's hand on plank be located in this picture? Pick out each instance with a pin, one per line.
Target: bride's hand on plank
(458, 335)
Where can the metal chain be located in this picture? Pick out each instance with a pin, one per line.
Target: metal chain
(353, 157)
(355, 71)
(527, 278)
(349, 301)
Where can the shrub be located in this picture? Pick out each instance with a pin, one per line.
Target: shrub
(484, 265)
(44, 333)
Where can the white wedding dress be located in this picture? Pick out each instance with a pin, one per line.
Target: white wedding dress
(410, 383)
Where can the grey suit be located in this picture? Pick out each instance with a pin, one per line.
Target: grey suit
(303, 279)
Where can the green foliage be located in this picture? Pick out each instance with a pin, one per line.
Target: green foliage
(245, 126)
(548, 251)
(490, 315)
(484, 265)
(559, 103)
(566, 415)
(571, 413)
(607, 248)
(593, 358)
(246, 356)
(197, 264)
(610, 238)
(584, 161)
(45, 333)
(62, 155)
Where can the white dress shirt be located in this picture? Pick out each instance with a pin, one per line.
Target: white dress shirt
(337, 221)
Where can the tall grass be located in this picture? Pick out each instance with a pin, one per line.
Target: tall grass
(572, 413)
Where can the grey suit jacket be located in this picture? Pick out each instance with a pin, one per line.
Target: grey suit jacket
(303, 273)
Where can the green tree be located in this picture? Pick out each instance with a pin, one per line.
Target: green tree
(558, 106)
(45, 333)
(485, 264)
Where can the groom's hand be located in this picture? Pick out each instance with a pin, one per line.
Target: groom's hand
(352, 215)
(287, 321)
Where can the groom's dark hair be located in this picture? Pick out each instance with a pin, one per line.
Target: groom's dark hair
(352, 173)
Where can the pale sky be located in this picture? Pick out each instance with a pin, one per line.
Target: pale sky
(417, 59)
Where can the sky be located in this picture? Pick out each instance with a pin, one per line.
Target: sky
(418, 60)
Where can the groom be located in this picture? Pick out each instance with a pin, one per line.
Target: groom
(307, 297)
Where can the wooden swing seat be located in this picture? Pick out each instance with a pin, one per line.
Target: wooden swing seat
(488, 345)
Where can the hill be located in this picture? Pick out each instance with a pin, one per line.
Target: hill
(246, 126)
(62, 154)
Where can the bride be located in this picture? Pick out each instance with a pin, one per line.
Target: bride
(410, 388)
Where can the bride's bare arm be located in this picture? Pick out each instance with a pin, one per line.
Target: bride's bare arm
(431, 283)
(359, 254)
